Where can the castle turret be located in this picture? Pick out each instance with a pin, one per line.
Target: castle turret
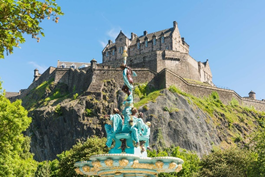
(93, 63)
(36, 74)
(252, 95)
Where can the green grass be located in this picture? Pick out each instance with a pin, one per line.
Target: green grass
(232, 112)
(150, 97)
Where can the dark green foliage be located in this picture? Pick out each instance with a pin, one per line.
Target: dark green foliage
(233, 162)
(43, 169)
(80, 152)
(257, 145)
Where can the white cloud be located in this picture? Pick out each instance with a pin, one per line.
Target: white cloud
(103, 44)
(40, 68)
(113, 32)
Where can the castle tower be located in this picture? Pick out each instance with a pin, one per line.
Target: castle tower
(252, 95)
(36, 74)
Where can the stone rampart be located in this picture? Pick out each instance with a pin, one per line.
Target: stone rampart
(203, 91)
(47, 75)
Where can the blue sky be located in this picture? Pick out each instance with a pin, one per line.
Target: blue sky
(230, 33)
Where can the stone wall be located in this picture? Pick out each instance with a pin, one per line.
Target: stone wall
(47, 75)
(203, 91)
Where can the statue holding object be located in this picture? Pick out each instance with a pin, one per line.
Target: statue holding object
(130, 135)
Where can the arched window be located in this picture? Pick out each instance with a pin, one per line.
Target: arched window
(146, 43)
(162, 39)
(138, 45)
(154, 41)
(107, 53)
(113, 52)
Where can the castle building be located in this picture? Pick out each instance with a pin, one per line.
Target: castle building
(156, 51)
(161, 59)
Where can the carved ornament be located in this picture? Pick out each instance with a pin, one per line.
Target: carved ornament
(172, 165)
(123, 162)
(109, 162)
(178, 168)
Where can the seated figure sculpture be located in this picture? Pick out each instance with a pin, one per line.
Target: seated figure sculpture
(134, 126)
(113, 126)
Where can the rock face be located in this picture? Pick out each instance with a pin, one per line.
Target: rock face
(61, 119)
(61, 123)
(176, 122)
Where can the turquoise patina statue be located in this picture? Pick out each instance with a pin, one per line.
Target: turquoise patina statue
(127, 139)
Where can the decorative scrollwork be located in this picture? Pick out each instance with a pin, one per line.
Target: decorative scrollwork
(178, 168)
(86, 168)
(109, 162)
(172, 165)
(96, 164)
(77, 170)
(159, 164)
(123, 162)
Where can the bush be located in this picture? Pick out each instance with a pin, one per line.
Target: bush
(75, 96)
(232, 162)
(89, 112)
(58, 110)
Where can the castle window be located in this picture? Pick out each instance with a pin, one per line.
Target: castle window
(154, 41)
(107, 53)
(113, 52)
(162, 39)
(73, 66)
(138, 45)
(146, 43)
(120, 49)
(63, 66)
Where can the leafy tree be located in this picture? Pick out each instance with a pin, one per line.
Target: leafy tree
(23, 16)
(15, 158)
(257, 145)
(43, 169)
(232, 162)
(80, 152)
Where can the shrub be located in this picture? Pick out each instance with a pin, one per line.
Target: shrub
(58, 110)
(145, 107)
(89, 112)
(75, 96)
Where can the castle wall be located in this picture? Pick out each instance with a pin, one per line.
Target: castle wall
(47, 75)
(203, 91)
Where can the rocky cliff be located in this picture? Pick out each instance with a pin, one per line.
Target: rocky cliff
(60, 119)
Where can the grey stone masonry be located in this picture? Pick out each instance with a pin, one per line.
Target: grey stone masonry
(156, 51)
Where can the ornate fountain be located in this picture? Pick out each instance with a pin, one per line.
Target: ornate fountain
(128, 141)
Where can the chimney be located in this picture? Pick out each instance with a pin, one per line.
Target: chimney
(145, 33)
(175, 24)
(252, 95)
(133, 36)
(110, 42)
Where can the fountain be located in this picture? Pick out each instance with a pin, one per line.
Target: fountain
(128, 141)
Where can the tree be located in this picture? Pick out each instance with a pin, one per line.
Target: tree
(80, 152)
(15, 158)
(232, 162)
(23, 16)
(257, 145)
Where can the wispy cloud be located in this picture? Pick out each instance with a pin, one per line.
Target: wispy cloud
(39, 67)
(113, 32)
(103, 44)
